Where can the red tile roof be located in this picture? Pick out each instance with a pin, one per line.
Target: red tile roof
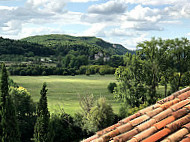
(167, 121)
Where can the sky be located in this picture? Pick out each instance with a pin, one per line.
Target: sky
(125, 22)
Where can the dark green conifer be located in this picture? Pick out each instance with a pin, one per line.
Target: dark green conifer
(42, 124)
(8, 122)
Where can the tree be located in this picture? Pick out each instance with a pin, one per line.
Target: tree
(102, 115)
(9, 131)
(25, 111)
(94, 117)
(181, 57)
(165, 63)
(63, 128)
(131, 87)
(150, 54)
(42, 123)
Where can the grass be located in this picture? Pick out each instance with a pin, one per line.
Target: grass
(64, 91)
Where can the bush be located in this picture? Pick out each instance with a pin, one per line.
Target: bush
(102, 71)
(87, 72)
(111, 87)
(102, 115)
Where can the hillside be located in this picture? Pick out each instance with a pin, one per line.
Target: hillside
(56, 40)
(16, 47)
(68, 53)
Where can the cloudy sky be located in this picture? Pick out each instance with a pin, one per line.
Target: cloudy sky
(118, 21)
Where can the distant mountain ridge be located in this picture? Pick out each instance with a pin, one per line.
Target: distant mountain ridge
(55, 40)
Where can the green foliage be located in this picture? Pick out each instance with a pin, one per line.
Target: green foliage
(94, 117)
(41, 128)
(157, 62)
(150, 53)
(102, 115)
(65, 42)
(116, 61)
(111, 86)
(9, 131)
(126, 110)
(15, 47)
(131, 88)
(63, 128)
(25, 111)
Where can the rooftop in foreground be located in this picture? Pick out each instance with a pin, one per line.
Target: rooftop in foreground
(167, 121)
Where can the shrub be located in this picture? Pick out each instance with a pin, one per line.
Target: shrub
(87, 72)
(111, 87)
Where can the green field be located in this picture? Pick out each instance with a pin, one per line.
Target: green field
(64, 91)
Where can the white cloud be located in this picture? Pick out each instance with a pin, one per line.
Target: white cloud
(95, 30)
(140, 13)
(36, 12)
(81, 0)
(6, 8)
(132, 42)
(108, 8)
(47, 5)
(118, 32)
(155, 2)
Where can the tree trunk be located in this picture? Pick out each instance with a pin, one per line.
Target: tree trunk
(179, 81)
(166, 90)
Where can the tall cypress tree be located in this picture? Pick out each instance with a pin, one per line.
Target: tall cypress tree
(42, 124)
(8, 123)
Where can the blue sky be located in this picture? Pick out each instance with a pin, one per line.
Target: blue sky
(126, 22)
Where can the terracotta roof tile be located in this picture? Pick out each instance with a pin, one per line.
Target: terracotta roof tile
(139, 120)
(126, 136)
(107, 129)
(145, 133)
(125, 120)
(143, 111)
(168, 120)
(125, 127)
(184, 89)
(177, 135)
(184, 95)
(157, 136)
(180, 105)
(146, 125)
(154, 112)
(170, 103)
(110, 135)
(185, 140)
(164, 122)
(187, 126)
(180, 113)
(163, 115)
(178, 123)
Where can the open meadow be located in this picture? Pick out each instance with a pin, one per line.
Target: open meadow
(64, 91)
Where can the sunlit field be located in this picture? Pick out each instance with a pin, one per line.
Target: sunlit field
(64, 91)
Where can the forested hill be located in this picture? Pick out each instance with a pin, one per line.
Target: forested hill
(16, 47)
(67, 42)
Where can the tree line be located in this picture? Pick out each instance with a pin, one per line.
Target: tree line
(38, 70)
(157, 62)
